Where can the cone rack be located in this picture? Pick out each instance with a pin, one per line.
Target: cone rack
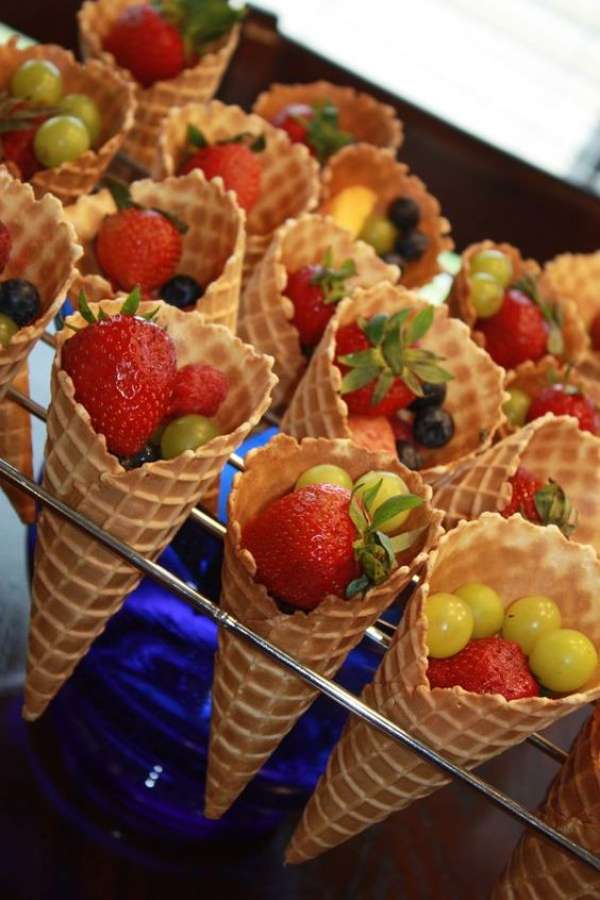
(381, 634)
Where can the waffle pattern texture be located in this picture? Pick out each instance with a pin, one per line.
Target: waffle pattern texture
(15, 446)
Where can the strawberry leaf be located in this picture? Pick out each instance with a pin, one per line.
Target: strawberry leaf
(102, 317)
(181, 226)
(131, 304)
(358, 586)
(85, 309)
(120, 192)
(149, 316)
(200, 21)
(371, 357)
(420, 325)
(384, 383)
(393, 506)
(195, 137)
(357, 378)
(374, 328)
(324, 132)
(370, 493)
(333, 281)
(359, 519)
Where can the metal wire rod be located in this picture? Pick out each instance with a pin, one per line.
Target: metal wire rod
(332, 690)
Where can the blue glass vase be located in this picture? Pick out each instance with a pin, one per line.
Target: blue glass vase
(131, 726)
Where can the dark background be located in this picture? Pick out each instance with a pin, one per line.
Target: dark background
(450, 846)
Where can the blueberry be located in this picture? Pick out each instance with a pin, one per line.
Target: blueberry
(433, 395)
(20, 301)
(404, 213)
(408, 455)
(149, 453)
(181, 291)
(412, 247)
(433, 427)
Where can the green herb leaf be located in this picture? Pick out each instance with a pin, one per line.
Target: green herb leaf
(102, 317)
(324, 133)
(358, 517)
(195, 137)
(85, 309)
(393, 506)
(120, 192)
(420, 325)
(357, 378)
(374, 328)
(131, 304)
(259, 144)
(358, 586)
(371, 357)
(370, 494)
(384, 383)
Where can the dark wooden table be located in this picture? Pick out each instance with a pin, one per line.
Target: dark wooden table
(450, 846)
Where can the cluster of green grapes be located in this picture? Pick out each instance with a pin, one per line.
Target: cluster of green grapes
(72, 122)
(562, 659)
(490, 272)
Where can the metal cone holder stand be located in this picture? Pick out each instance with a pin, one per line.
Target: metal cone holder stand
(381, 634)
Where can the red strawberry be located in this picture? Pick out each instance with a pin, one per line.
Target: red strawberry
(17, 148)
(566, 400)
(236, 164)
(295, 119)
(303, 545)
(382, 366)
(316, 126)
(486, 666)
(142, 41)
(543, 504)
(198, 389)
(314, 291)
(123, 370)
(595, 333)
(517, 332)
(5, 245)
(138, 247)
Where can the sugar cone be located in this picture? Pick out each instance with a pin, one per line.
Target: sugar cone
(115, 100)
(361, 115)
(267, 313)
(78, 584)
(15, 446)
(552, 447)
(369, 776)
(289, 175)
(474, 398)
(575, 335)
(255, 701)
(379, 170)
(213, 245)
(196, 84)
(537, 869)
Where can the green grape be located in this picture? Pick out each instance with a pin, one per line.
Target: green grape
(391, 486)
(186, 433)
(450, 625)
(486, 606)
(563, 660)
(528, 618)
(494, 263)
(324, 474)
(38, 81)
(486, 294)
(60, 139)
(380, 233)
(517, 407)
(8, 328)
(83, 107)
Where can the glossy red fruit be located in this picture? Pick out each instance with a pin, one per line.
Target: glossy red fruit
(5, 245)
(198, 389)
(138, 247)
(302, 545)
(486, 666)
(123, 370)
(350, 339)
(566, 400)
(17, 148)
(294, 119)
(236, 164)
(524, 488)
(311, 312)
(518, 332)
(595, 333)
(143, 42)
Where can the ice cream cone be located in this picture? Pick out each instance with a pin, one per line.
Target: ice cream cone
(114, 98)
(15, 446)
(213, 245)
(474, 398)
(289, 175)
(196, 84)
(574, 333)
(255, 701)
(537, 869)
(361, 115)
(368, 775)
(267, 313)
(533, 377)
(552, 447)
(379, 170)
(78, 584)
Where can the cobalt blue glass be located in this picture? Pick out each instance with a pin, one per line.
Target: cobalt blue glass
(131, 726)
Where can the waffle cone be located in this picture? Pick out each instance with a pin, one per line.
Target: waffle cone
(552, 447)
(78, 584)
(196, 84)
(213, 245)
(267, 313)
(379, 170)
(361, 115)
(289, 179)
(44, 252)
(256, 702)
(537, 869)
(474, 398)
(574, 332)
(15, 446)
(115, 100)
(368, 775)
(533, 377)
